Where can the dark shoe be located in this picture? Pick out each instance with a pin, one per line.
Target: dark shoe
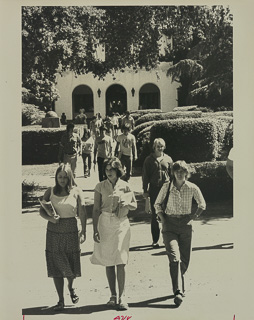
(155, 245)
(74, 297)
(178, 298)
(59, 306)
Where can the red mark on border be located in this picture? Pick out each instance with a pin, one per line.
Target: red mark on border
(122, 317)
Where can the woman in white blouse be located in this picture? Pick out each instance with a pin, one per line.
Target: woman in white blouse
(112, 201)
(62, 238)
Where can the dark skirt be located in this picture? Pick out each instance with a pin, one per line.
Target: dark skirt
(63, 249)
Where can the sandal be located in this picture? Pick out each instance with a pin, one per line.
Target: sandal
(112, 301)
(122, 305)
(74, 297)
(59, 306)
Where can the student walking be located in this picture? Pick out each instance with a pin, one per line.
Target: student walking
(102, 149)
(126, 150)
(156, 171)
(113, 199)
(63, 238)
(69, 148)
(176, 197)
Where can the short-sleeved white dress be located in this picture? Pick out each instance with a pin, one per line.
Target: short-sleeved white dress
(114, 231)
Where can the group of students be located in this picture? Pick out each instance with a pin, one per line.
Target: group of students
(100, 146)
(164, 181)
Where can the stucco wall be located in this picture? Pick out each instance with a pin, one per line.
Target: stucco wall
(128, 79)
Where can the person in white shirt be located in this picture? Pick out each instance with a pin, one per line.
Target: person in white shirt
(126, 150)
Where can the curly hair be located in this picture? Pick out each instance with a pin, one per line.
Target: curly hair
(115, 163)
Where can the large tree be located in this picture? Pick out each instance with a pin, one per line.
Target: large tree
(56, 39)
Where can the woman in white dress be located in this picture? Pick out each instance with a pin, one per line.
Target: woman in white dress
(113, 199)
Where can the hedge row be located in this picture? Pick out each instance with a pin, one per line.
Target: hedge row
(41, 146)
(194, 140)
(168, 115)
(138, 113)
(212, 179)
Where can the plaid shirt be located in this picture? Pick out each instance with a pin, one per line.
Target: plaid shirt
(179, 202)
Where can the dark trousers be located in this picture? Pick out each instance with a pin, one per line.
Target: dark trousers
(100, 162)
(177, 239)
(126, 162)
(87, 163)
(155, 229)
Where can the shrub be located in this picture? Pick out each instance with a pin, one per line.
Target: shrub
(212, 179)
(140, 127)
(194, 140)
(40, 146)
(168, 115)
(138, 113)
(185, 108)
(31, 114)
(218, 114)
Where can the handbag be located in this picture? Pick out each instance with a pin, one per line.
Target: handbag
(165, 201)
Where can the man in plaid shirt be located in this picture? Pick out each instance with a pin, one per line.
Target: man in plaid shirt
(177, 223)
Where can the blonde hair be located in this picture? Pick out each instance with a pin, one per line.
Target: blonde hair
(159, 141)
(65, 167)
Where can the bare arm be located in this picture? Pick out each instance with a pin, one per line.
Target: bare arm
(42, 212)
(82, 216)
(96, 214)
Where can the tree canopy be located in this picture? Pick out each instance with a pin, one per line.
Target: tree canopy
(56, 39)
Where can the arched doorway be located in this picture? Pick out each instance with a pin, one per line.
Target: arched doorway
(149, 97)
(82, 98)
(116, 99)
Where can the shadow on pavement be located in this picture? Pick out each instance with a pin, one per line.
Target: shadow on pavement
(45, 310)
(149, 303)
(141, 248)
(218, 246)
(215, 247)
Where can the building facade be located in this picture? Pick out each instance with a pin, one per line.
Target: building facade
(118, 92)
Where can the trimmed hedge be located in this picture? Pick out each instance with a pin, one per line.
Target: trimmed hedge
(41, 146)
(218, 114)
(138, 113)
(168, 115)
(212, 179)
(194, 140)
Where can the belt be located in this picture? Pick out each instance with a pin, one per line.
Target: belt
(178, 216)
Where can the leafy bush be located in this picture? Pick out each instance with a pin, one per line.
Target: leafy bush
(168, 115)
(31, 114)
(138, 113)
(185, 108)
(27, 189)
(140, 127)
(194, 140)
(212, 179)
(40, 146)
(218, 114)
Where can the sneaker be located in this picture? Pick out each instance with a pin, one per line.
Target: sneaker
(155, 245)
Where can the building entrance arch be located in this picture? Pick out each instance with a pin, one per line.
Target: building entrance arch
(82, 98)
(149, 97)
(116, 99)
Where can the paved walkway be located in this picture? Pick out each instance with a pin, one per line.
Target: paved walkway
(210, 293)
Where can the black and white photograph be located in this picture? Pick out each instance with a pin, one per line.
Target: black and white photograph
(127, 180)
